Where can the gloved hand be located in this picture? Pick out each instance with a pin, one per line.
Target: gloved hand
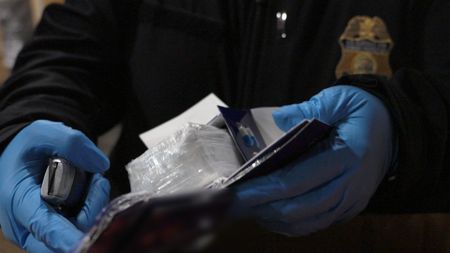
(25, 218)
(335, 180)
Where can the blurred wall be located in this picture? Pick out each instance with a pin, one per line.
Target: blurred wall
(10, 23)
(3, 70)
(38, 5)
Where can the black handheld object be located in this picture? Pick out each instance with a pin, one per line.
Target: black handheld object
(64, 186)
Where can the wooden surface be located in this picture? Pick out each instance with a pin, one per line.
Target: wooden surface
(8, 247)
(416, 233)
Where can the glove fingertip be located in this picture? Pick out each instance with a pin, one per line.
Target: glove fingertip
(35, 246)
(251, 196)
(96, 200)
(281, 117)
(104, 164)
(98, 181)
(98, 158)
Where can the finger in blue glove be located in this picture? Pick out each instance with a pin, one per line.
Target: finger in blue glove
(97, 198)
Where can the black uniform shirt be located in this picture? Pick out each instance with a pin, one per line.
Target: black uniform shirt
(94, 63)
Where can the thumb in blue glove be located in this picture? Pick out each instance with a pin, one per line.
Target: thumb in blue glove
(25, 218)
(335, 180)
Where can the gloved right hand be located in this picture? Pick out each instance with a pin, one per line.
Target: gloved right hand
(335, 179)
(25, 218)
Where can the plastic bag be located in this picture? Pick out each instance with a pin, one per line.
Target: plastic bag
(197, 156)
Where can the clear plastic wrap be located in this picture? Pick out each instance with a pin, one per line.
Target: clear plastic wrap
(195, 157)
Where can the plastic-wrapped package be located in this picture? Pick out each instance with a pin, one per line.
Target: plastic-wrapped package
(192, 159)
(195, 157)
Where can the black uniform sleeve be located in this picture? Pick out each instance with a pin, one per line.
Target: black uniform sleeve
(69, 72)
(418, 97)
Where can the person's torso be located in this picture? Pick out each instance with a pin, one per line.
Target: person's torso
(256, 53)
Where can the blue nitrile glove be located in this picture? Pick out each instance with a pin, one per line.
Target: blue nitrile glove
(25, 218)
(335, 180)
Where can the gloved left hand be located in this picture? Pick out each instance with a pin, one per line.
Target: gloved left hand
(25, 218)
(336, 179)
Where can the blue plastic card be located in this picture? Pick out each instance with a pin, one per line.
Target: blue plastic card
(261, 158)
(243, 130)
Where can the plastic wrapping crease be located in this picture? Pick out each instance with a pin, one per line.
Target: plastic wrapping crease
(193, 158)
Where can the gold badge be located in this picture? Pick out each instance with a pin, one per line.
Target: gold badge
(365, 47)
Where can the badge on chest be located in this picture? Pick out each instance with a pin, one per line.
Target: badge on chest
(365, 48)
